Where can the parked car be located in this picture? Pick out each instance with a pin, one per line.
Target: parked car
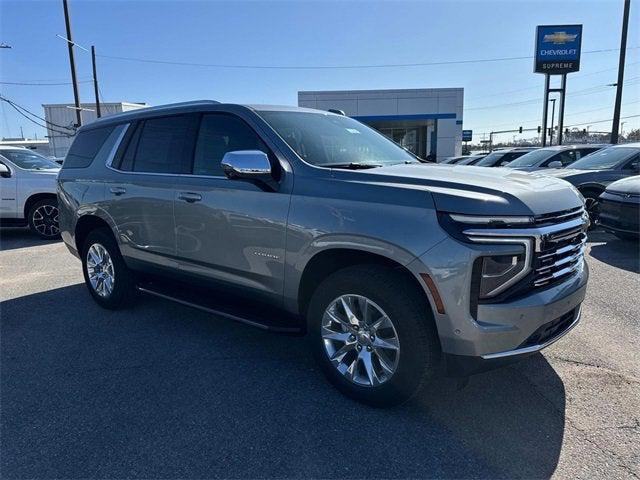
(28, 191)
(471, 160)
(591, 174)
(502, 157)
(619, 211)
(394, 268)
(558, 156)
(452, 160)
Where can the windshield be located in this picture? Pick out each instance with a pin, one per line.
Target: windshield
(605, 158)
(327, 140)
(532, 159)
(29, 160)
(491, 159)
(470, 160)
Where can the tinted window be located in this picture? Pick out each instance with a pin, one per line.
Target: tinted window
(532, 159)
(218, 135)
(605, 158)
(129, 146)
(85, 147)
(491, 159)
(164, 145)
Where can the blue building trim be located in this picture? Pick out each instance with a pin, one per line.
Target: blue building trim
(421, 116)
(458, 122)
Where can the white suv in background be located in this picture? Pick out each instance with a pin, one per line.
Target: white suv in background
(28, 191)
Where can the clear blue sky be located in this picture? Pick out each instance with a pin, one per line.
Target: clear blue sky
(314, 33)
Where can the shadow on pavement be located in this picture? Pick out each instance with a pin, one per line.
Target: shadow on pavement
(18, 237)
(162, 390)
(623, 254)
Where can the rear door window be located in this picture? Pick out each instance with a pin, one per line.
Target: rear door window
(165, 145)
(85, 147)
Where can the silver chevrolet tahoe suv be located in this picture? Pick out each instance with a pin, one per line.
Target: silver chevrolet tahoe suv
(298, 220)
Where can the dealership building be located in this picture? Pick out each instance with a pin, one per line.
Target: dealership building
(426, 121)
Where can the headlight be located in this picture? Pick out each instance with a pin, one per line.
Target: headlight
(455, 224)
(494, 274)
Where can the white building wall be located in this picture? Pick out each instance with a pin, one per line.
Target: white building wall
(444, 105)
(63, 118)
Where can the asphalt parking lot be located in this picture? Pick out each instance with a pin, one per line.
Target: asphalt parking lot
(164, 391)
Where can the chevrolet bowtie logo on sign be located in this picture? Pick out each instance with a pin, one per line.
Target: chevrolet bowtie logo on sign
(558, 49)
(559, 38)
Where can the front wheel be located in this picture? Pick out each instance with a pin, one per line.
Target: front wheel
(372, 335)
(107, 277)
(43, 219)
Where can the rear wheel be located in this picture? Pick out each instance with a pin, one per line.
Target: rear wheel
(43, 218)
(372, 335)
(107, 277)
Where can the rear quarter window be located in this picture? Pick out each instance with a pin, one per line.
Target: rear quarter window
(85, 147)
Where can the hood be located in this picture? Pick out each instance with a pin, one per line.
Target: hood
(626, 185)
(482, 191)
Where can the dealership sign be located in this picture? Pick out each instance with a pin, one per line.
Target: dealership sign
(467, 135)
(558, 49)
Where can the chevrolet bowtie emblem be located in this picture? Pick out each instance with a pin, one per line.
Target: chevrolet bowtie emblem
(559, 38)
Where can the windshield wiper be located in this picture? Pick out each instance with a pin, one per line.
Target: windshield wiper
(352, 165)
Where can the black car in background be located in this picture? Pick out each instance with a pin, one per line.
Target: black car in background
(593, 173)
(619, 211)
(453, 160)
(500, 158)
(559, 156)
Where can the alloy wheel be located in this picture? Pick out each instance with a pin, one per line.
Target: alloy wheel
(100, 270)
(360, 340)
(45, 220)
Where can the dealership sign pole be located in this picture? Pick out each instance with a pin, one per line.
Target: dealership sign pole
(557, 53)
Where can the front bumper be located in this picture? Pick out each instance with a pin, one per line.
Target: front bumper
(502, 332)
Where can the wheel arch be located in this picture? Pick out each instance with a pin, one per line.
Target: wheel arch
(324, 263)
(35, 198)
(85, 225)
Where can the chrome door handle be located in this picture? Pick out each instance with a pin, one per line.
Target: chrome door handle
(118, 190)
(190, 197)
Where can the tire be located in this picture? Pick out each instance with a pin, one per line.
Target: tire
(592, 204)
(43, 219)
(415, 364)
(116, 287)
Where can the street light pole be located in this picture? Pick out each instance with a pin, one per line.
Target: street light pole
(95, 80)
(72, 62)
(623, 49)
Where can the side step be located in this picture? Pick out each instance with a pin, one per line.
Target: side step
(260, 316)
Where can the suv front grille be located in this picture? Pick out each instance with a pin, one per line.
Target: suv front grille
(558, 217)
(561, 254)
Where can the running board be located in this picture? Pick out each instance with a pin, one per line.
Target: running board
(224, 309)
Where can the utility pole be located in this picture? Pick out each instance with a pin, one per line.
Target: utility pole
(553, 113)
(72, 63)
(623, 51)
(95, 80)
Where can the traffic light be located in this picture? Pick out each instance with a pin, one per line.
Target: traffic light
(520, 130)
(539, 129)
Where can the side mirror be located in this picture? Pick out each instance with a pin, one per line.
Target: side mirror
(555, 164)
(4, 171)
(248, 165)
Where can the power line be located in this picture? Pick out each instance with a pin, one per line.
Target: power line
(38, 84)
(334, 67)
(25, 113)
(577, 124)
